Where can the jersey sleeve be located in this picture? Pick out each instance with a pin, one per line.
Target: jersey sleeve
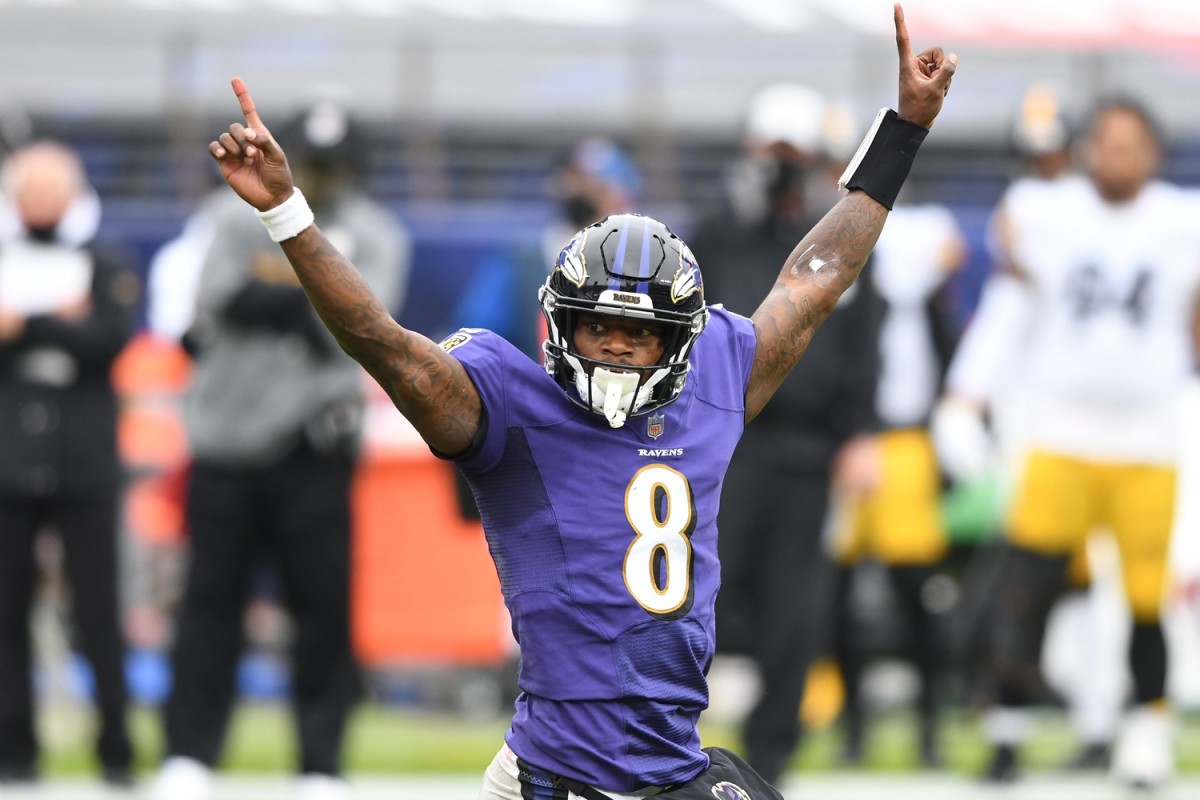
(737, 332)
(485, 357)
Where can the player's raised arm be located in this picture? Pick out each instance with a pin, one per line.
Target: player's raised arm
(831, 255)
(426, 383)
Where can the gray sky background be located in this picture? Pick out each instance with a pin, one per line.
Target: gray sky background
(619, 66)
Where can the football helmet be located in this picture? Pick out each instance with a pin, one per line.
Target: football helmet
(625, 265)
(324, 136)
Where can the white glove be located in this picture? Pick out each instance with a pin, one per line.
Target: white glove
(964, 447)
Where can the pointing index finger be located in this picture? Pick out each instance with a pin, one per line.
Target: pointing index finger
(902, 43)
(248, 109)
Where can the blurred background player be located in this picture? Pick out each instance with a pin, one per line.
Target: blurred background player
(1091, 677)
(66, 310)
(1081, 658)
(776, 591)
(274, 417)
(597, 179)
(898, 523)
(173, 277)
(1098, 285)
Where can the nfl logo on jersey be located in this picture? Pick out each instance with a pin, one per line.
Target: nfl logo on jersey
(654, 425)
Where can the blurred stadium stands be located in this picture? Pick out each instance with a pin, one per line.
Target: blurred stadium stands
(471, 102)
(487, 188)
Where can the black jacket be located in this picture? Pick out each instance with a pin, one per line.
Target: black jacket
(58, 410)
(830, 395)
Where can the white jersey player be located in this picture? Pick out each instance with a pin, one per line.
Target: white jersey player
(1096, 302)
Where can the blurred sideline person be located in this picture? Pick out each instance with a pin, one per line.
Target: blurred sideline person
(598, 476)
(1098, 287)
(78, 226)
(66, 310)
(777, 578)
(596, 180)
(1093, 684)
(1092, 680)
(274, 416)
(173, 278)
(899, 522)
(153, 377)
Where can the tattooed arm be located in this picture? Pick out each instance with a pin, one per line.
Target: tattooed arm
(831, 255)
(427, 384)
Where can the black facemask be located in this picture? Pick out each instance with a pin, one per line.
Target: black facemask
(42, 233)
(580, 209)
(787, 176)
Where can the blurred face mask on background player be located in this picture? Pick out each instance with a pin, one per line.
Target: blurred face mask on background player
(43, 181)
(580, 208)
(599, 179)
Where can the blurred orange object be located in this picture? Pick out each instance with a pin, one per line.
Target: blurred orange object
(151, 365)
(150, 376)
(424, 588)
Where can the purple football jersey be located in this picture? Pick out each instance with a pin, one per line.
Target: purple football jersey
(605, 541)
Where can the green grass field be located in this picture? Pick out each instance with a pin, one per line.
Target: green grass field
(383, 741)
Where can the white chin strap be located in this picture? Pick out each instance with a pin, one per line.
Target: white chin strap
(613, 394)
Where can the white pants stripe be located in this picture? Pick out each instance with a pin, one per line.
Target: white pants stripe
(501, 782)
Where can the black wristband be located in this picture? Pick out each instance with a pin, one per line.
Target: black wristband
(883, 160)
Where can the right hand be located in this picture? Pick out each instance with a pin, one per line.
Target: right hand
(251, 161)
(858, 466)
(924, 79)
(12, 325)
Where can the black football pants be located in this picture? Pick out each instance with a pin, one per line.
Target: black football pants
(88, 530)
(922, 647)
(295, 516)
(776, 594)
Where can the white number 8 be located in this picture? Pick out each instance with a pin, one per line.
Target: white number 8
(658, 563)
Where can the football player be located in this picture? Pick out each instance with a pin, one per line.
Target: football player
(898, 522)
(597, 477)
(1098, 293)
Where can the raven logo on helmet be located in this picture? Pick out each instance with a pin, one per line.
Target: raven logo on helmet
(606, 268)
(687, 277)
(570, 261)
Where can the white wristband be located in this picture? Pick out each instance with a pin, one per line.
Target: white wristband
(289, 218)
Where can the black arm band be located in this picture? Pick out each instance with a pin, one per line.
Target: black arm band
(884, 158)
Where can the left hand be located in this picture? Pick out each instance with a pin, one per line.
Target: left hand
(858, 466)
(75, 311)
(11, 325)
(924, 78)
